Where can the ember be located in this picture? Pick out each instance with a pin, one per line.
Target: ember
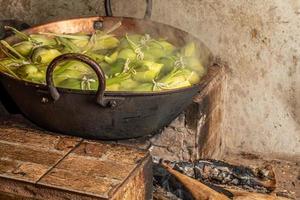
(188, 180)
(219, 172)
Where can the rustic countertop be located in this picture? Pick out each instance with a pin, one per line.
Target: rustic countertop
(38, 165)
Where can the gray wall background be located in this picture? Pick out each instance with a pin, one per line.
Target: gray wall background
(259, 39)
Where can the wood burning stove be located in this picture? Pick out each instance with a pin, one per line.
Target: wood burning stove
(35, 163)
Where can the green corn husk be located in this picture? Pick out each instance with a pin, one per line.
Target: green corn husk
(116, 68)
(76, 66)
(95, 56)
(118, 79)
(72, 69)
(81, 43)
(144, 87)
(68, 44)
(128, 84)
(8, 54)
(24, 48)
(36, 39)
(79, 84)
(72, 36)
(147, 72)
(112, 58)
(105, 67)
(167, 46)
(159, 44)
(113, 87)
(192, 77)
(66, 74)
(89, 83)
(157, 49)
(13, 63)
(106, 43)
(153, 54)
(146, 76)
(6, 62)
(43, 40)
(101, 41)
(124, 42)
(19, 34)
(103, 51)
(26, 70)
(178, 78)
(133, 63)
(189, 50)
(11, 49)
(9, 66)
(193, 63)
(38, 77)
(63, 66)
(44, 55)
(78, 39)
(175, 83)
(168, 65)
(127, 53)
(70, 83)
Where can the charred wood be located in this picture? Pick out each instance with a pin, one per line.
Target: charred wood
(221, 173)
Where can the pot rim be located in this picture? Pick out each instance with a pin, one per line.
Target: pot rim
(111, 93)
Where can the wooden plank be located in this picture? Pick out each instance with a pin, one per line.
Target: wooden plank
(204, 117)
(210, 136)
(21, 190)
(96, 169)
(7, 196)
(111, 151)
(16, 130)
(27, 154)
(19, 170)
(35, 165)
(80, 183)
(138, 185)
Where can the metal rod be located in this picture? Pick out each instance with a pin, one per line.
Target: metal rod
(148, 9)
(108, 11)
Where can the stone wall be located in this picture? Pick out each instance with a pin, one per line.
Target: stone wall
(259, 40)
(40, 11)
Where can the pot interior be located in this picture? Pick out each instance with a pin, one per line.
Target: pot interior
(129, 25)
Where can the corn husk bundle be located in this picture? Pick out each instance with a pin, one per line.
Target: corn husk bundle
(131, 63)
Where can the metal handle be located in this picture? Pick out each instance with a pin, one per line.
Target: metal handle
(82, 58)
(147, 15)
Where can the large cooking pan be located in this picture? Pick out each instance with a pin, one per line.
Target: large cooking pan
(102, 114)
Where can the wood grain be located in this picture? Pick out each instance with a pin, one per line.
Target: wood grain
(35, 165)
(27, 154)
(198, 190)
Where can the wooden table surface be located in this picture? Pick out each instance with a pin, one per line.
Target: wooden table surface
(36, 165)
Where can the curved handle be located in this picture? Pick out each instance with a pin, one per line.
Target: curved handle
(148, 12)
(82, 58)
